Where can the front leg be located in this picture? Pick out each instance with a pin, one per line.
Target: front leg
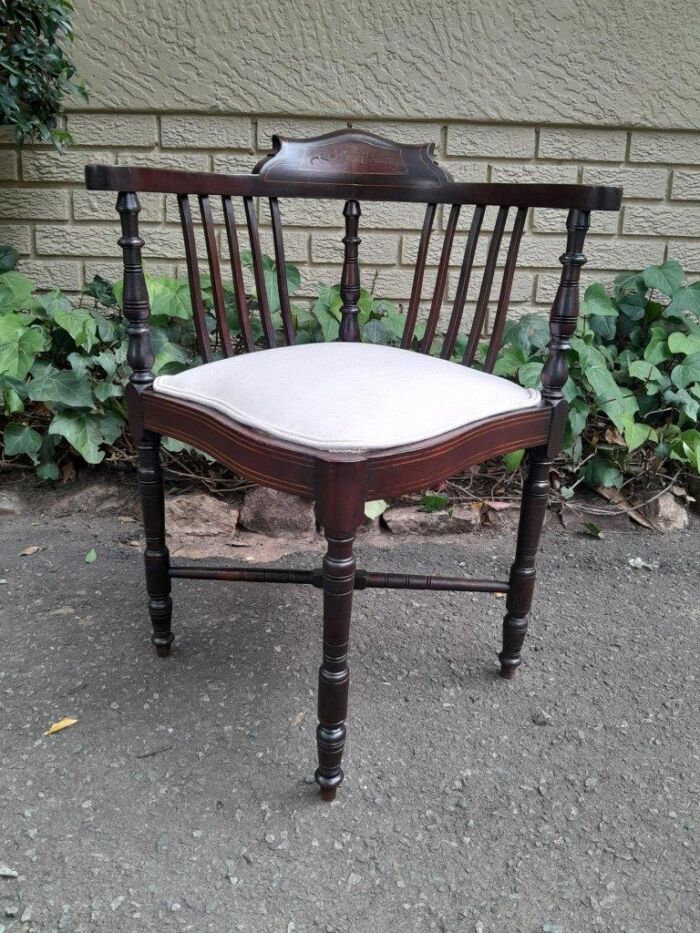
(522, 574)
(334, 674)
(340, 505)
(156, 557)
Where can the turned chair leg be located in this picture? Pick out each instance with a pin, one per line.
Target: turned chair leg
(522, 574)
(334, 675)
(157, 559)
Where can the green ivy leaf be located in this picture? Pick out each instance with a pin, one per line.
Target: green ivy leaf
(597, 301)
(330, 327)
(529, 375)
(665, 278)
(47, 471)
(609, 397)
(656, 351)
(509, 361)
(592, 529)
(170, 298)
(374, 332)
(53, 302)
(60, 387)
(434, 502)
(600, 471)
(512, 460)
(19, 346)
(9, 257)
(684, 343)
(686, 299)
(529, 332)
(80, 324)
(375, 508)
(15, 292)
(687, 371)
(578, 416)
(84, 432)
(636, 434)
(21, 440)
(645, 371)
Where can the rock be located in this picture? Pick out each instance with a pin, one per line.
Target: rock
(11, 503)
(410, 520)
(199, 525)
(6, 872)
(276, 514)
(542, 718)
(97, 498)
(666, 513)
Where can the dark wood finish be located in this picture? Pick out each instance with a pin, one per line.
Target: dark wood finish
(350, 154)
(150, 478)
(340, 499)
(200, 324)
(350, 278)
(441, 281)
(259, 272)
(364, 580)
(361, 188)
(522, 574)
(156, 556)
(418, 275)
(482, 304)
(506, 285)
(348, 166)
(282, 289)
(465, 272)
(564, 313)
(215, 273)
(237, 271)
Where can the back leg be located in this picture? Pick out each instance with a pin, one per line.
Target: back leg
(157, 558)
(522, 574)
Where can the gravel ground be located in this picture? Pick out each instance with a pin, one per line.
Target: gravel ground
(565, 800)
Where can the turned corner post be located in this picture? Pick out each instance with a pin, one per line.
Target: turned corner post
(565, 308)
(135, 295)
(350, 279)
(340, 499)
(150, 475)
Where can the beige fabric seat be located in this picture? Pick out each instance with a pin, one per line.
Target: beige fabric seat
(347, 396)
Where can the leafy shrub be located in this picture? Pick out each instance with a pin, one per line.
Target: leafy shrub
(634, 385)
(35, 72)
(634, 374)
(63, 368)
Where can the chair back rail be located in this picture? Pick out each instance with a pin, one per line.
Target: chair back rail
(352, 166)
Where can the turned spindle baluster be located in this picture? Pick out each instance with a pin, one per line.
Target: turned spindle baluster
(350, 279)
(340, 505)
(150, 477)
(562, 324)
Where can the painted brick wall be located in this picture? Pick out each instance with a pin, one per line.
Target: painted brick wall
(65, 234)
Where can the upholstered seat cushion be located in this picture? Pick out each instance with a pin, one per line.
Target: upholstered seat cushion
(347, 396)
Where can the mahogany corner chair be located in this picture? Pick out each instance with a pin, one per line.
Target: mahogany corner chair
(347, 422)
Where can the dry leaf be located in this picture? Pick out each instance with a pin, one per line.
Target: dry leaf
(497, 505)
(28, 551)
(298, 719)
(68, 474)
(62, 724)
(613, 436)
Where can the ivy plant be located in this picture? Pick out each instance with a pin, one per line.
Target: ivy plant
(35, 71)
(634, 374)
(633, 387)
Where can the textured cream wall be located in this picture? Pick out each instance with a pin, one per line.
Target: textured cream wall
(565, 93)
(607, 62)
